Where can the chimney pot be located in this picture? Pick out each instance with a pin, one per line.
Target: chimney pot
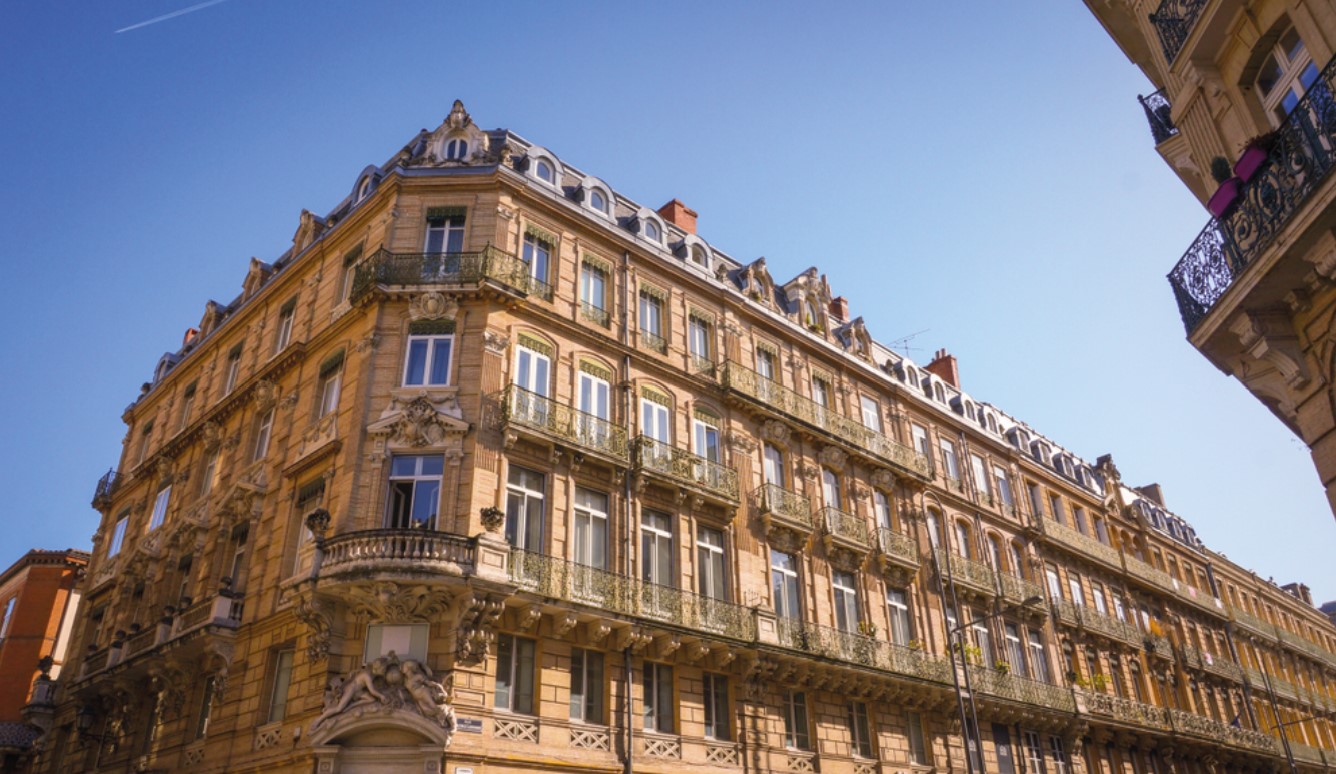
(839, 308)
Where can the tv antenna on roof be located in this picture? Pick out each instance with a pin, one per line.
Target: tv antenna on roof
(902, 343)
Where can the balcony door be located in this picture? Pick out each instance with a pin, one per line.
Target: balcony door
(773, 465)
(591, 424)
(656, 562)
(532, 370)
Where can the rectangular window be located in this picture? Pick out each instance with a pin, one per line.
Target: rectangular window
(656, 548)
(717, 714)
(919, 435)
(980, 472)
(654, 421)
(765, 364)
(1101, 531)
(532, 369)
(187, 403)
(712, 580)
(514, 674)
(160, 508)
(427, 361)
(593, 288)
(233, 369)
(1055, 507)
(278, 698)
(1034, 752)
(918, 745)
(698, 338)
(524, 509)
(658, 700)
(415, 491)
(1074, 586)
(651, 322)
(349, 273)
(1079, 516)
(237, 567)
(902, 627)
(950, 462)
(1097, 593)
(871, 413)
(1036, 499)
(784, 585)
(881, 509)
(445, 232)
(772, 464)
(795, 721)
(263, 429)
(1003, 485)
(846, 601)
(331, 376)
(408, 641)
(860, 735)
(1015, 650)
(820, 392)
(144, 438)
(205, 706)
(1059, 755)
(707, 440)
(286, 315)
(586, 686)
(983, 640)
(118, 534)
(1038, 663)
(591, 528)
(538, 255)
(208, 477)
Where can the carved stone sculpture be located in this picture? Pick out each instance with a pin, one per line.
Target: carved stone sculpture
(389, 684)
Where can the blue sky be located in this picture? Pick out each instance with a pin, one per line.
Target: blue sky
(979, 170)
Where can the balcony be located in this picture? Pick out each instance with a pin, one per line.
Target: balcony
(607, 591)
(1216, 665)
(844, 530)
(1214, 730)
(711, 480)
(774, 398)
(1173, 21)
(489, 265)
(1283, 689)
(1312, 755)
(1083, 545)
(703, 366)
(219, 614)
(1016, 590)
(861, 650)
(1301, 155)
(969, 575)
(780, 507)
(1252, 623)
(652, 342)
(1159, 580)
(1097, 623)
(897, 554)
(378, 552)
(595, 314)
(565, 425)
(1126, 710)
(1158, 112)
(106, 487)
(1004, 685)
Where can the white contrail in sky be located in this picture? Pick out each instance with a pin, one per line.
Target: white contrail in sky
(171, 15)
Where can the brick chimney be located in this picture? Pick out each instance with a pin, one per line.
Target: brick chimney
(191, 335)
(839, 308)
(1152, 492)
(944, 366)
(1299, 591)
(680, 215)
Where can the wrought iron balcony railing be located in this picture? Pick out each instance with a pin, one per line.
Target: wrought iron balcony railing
(1197, 725)
(1095, 622)
(1162, 581)
(106, 487)
(1016, 688)
(488, 264)
(1016, 590)
(1126, 710)
(565, 424)
(898, 547)
(845, 527)
(409, 550)
(1215, 664)
(1302, 152)
(595, 314)
(864, 441)
(966, 572)
(1158, 112)
(793, 510)
(579, 584)
(653, 342)
(691, 469)
(1173, 21)
(702, 365)
(1251, 622)
(862, 650)
(1065, 536)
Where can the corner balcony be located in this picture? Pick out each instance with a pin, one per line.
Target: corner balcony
(489, 266)
(861, 650)
(970, 576)
(1173, 21)
(537, 415)
(1297, 162)
(709, 480)
(608, 592)
(1004, 685)
(217, 616)
(106, 487)
(774, 399)
(397, 553)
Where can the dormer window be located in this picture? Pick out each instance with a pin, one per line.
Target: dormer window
(543, 170)
(699, 257)
(598, 201)
(652, 231)
(457, 149)
(364, 189)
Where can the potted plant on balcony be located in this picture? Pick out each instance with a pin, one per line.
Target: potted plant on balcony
(1226, 195)
(1254, 153)
(1002, 667)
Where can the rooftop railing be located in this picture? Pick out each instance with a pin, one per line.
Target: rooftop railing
(1301, 153)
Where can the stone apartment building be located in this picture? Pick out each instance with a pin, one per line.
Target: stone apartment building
(497, 470)
(38, 600)
(1244, 115)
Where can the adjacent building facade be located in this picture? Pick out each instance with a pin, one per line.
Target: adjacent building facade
(38, 600)
(1244, 115)
(497, 470)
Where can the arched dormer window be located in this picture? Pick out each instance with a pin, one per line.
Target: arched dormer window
(595, 195)
(541, 165)
(700, 257)
(810, 317)
(652, 231)
(939, 391)
(598, 201)
(648, 226)
(363, 188)
(543, 170)
(456, 149)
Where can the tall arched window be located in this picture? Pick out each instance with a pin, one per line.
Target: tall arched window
(934, 529)
(963, 539)
(830, 489)
(773, 465)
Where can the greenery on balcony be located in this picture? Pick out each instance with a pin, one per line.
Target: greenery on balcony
(680, 465)
(565, 424)
(1016, 688)
(774, 397)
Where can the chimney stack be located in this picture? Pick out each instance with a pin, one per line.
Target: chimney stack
(191, 334)
(944, 366)
(1154, 493)
(839, 308)
(680, 215)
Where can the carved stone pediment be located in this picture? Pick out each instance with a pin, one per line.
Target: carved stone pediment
(442, 145)
(432, 306)
(388, 685)
(424, 420)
